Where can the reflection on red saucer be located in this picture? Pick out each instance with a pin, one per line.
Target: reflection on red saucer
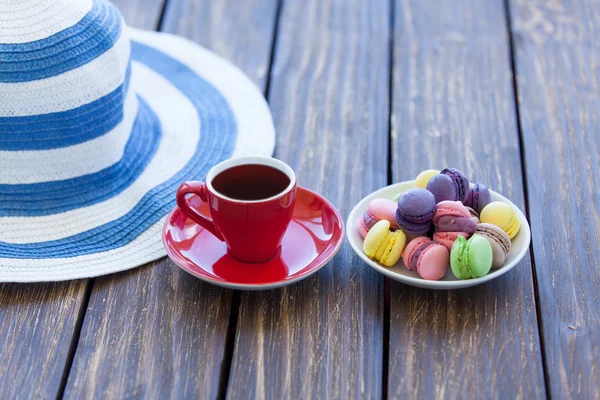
(313, 237)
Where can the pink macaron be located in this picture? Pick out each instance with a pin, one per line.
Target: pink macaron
(452, 219)
(448, 238)
(379, 209)
(428, 258)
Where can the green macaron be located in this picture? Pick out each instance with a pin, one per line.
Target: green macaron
(471, 258)
(397, 196)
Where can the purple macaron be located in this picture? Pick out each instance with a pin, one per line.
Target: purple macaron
(478, 197)
(415, 211)
(461, 183)
(442, 187)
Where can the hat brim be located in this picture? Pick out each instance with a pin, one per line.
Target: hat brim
(199, 110)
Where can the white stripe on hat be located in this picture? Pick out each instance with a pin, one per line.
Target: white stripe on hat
(181, 131)
(39, 19)
(69, 162)
(188, 53)
(146, 247)
(74, 88)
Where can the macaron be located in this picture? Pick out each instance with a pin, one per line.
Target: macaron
(453, 216)
(471, 258)
(461, 183)
(502, 215)
(415, 211)
(451, 220)
(447, 239)
(474, 214)
(383, 245)
(499, 241)
(423, 178)
(442, 187)
(377, 210)
(478, 197)
(428, 258)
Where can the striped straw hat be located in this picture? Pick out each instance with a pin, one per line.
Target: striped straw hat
(99, 124)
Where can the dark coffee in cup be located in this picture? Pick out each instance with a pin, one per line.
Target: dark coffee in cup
(251, 182)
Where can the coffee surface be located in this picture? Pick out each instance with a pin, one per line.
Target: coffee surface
(250, 182)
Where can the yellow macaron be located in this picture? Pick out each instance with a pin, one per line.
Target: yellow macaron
(423, 178)
(383, 245)
(503, 216)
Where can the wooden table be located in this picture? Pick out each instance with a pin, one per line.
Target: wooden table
(364, 93)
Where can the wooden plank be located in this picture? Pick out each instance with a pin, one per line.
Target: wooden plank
(557, 54)
(142, 14)
(154, 331)
(37, 323)
(240, 31)
(157, 331)
(453, 105)
(322, 337)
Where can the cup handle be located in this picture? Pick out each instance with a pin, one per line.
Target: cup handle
(199, 189)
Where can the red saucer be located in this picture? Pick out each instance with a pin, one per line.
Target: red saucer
(314, 236)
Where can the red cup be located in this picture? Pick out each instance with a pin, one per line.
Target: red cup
(252, 229)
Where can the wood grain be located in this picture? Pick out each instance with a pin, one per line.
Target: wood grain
(240, 31)
(37, 322)
(151, 332)
(453, 105)
(156, 331)
(322, 338)
(557, 57)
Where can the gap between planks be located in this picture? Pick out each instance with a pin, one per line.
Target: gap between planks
(224, 374)
(515, 84)
(387, 282)
(75, 338)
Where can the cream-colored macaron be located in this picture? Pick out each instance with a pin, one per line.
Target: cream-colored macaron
(423, 178)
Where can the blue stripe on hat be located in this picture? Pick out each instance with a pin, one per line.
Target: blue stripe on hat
(218, 132)
(65, 128)
(58, 196)
(73, 47)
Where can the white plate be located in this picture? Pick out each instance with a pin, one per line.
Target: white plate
(400, 273)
